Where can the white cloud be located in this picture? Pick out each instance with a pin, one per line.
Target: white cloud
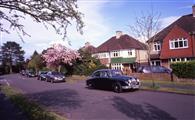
(168, 20)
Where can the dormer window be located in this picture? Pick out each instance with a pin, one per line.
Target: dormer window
(178, 43)
(157, 46)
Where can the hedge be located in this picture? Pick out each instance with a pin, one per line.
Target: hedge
(184, 69)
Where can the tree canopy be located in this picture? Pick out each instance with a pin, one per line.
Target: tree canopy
(59, 54)
(36, 62)
(12, 54)
(56, 13)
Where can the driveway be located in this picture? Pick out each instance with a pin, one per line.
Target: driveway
(75, 101)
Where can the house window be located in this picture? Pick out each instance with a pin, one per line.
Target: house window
(178, 43)
(157, 47)
(130, 53)
(102, 55)
(116, 66)
(115, 54)
(155, 63)
(179, 59)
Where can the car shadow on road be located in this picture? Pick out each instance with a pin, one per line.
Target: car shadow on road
(140, 112)
(63, 99)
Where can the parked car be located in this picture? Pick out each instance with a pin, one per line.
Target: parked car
(42, 75)
(23, 72)
(30, 73)
(53, 76)
(112, 79)
(154, 69)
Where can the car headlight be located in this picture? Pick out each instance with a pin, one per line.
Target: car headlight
(55, 78)
(127, 82)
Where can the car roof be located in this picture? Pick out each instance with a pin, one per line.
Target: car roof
(106, 70)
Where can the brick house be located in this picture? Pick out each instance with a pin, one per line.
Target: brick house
(174, 43)
(122, 52)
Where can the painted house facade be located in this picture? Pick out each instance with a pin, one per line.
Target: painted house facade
(122, 52)
(175, 43)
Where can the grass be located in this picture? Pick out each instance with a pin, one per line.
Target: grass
(170, 82)
(158, 87)
(75, 78)
(31, 109)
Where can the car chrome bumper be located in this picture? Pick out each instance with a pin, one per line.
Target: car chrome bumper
(131, 87)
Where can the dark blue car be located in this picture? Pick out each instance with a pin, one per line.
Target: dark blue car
(112, 79)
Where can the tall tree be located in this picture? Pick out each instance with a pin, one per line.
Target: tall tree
(58, 55)
(146, 26)
(12, 54)
(58, 14)
(36, 62)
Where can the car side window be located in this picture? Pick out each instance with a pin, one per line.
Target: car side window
(104, 74)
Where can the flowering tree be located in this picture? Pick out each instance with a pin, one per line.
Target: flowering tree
(58, 55)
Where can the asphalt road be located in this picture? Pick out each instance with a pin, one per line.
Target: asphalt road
(75, 101)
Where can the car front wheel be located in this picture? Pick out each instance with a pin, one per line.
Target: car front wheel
(117, 88)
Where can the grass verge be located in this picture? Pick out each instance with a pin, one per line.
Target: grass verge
(170, 90)
(31, 109)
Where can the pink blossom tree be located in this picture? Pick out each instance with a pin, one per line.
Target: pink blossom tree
(58, 55)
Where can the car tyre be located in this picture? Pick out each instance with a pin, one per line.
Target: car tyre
(117, 88)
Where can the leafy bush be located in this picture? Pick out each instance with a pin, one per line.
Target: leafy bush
(87, 64)
(184, 69)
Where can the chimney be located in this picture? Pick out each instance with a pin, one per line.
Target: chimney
(118, 34)
(193, 10)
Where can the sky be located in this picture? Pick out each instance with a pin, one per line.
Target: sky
(102, 18)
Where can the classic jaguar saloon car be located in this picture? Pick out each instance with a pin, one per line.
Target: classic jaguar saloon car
(112, 79)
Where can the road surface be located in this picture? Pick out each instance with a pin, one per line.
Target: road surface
(75, 101)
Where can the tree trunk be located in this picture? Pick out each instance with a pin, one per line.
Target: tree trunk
(59, 68)
(10, 69)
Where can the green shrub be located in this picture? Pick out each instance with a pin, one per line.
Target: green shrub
(184, 69)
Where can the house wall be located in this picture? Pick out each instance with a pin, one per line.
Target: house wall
(141, 56)
(176, 33)
(152, 51)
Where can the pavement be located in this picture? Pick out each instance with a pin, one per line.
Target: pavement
(76, 102)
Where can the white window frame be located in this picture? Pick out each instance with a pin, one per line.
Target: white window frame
(179, 59)
(115, 53)
(175, 43)
(130, 52)
(156, 46)
(116, 66)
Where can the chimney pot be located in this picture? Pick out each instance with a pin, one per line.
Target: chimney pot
(193, 10)
(118, 34)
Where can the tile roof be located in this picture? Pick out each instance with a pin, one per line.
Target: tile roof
(124, 42)
(186, 22)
